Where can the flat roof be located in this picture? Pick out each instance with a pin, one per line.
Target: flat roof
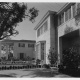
(18, 41)
(44, 17)
(65, 7)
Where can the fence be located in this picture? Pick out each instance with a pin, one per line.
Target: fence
(7, 65)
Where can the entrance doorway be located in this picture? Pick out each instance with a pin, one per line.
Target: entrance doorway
(68, 41)
(21, 56)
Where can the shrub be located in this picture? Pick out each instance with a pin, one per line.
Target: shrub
(52, 57)
(71, 58)
(46, 66)
(38, 61)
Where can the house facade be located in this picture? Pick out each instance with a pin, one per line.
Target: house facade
(59, 30)
(21, 49)
(46, 36)
(68, 28)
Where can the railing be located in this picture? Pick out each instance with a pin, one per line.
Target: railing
(6, 65)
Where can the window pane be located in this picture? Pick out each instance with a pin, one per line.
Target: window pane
(69, 13)
(62, 18)
(45, 26)
(74, 10)
(66, 15)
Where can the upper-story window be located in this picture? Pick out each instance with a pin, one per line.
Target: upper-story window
(74, 10)
(78, 8)
(31, 45)
(68, 14)
(45, 26)
(42, 29)
(61, 18)
(21, 45)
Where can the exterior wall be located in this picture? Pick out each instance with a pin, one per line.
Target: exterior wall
(45, 37)
(49, 37)
(26, 50)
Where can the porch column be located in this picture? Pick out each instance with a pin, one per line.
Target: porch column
(60, 49)
(79, 40)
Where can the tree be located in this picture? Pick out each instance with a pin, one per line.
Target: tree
(13, 13)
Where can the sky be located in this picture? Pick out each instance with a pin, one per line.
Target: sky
(26, 28)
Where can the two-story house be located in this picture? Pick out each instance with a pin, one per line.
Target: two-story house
(21, 49)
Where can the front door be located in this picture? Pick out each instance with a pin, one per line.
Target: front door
(42, 50)
(21, 56)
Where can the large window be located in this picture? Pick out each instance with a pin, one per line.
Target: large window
(42, 29)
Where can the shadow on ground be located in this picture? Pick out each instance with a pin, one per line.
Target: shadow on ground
(72, 73)
(3, 75)
(43, 73)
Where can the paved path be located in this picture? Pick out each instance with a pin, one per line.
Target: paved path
(32, 73)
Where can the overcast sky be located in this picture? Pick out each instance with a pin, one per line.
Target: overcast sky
(26, 28)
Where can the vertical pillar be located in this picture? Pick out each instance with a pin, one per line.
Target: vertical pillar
(0, 49)
(79, 41)
(71, 11)
(7, 52)
(60, 49)
(64, 16)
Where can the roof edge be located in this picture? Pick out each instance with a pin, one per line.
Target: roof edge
(67, 4)
(44, 17)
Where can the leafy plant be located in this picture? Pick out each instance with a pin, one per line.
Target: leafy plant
(71, 58)
(38, 61)
(52, 56)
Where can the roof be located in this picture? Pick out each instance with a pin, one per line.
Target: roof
(64, 7)
(18, 41)
(44, 17)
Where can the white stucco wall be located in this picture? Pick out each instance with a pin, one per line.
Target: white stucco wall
(45, 37)
(48, 36)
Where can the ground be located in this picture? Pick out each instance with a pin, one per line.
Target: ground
(32, 73)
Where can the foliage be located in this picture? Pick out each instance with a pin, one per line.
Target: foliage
(52, 56)
(71, 58)
(10, 56)
(38, 61)
(47, 66)
(13, 13)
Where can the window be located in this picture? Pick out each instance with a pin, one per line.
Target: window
(78, 8)
(38, 32)
(42, 51)
(61, 19)
(31, 45)
(42, 29)
(21, 45)
(74, 10)
(45, 26)
(68, 14)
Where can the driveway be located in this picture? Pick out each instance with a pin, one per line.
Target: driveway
(32, 73)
